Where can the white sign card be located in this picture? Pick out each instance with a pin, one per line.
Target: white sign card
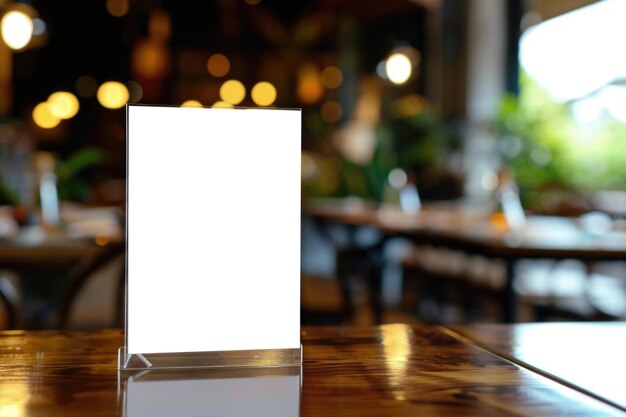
(213, 229)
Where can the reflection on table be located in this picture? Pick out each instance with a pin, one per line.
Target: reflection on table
(588, 356)
(389, 370)
(259, 392)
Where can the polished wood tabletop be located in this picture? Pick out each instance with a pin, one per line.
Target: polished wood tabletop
(390, 370)
(587, 356)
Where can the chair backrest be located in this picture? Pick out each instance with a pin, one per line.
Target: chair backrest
(96, 285)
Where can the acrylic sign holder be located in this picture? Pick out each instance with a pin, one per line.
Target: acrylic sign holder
(285, 355)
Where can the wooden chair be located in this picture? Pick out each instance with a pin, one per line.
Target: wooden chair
(84, 273)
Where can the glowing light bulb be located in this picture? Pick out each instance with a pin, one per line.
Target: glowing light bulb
(263, 93)
(191, 103)
(398, 68)
(112, 95)
(17, 29)
(233, 92)
(43, 117)
(222, 105)
(63, 104)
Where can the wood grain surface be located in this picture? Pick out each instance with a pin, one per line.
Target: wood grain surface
(587, 356)
(391, 370)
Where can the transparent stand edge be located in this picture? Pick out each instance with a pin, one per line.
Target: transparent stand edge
(218, 359)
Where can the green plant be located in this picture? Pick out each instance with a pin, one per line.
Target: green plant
(7, 196)
(546, 147)
(70, 182)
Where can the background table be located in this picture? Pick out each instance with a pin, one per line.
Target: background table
(544, 237)
(45, 263)
(391, 370)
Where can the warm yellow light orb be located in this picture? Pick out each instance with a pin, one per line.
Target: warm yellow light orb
(43, 117)
(398, 67)
(17, 29)
(112, 95)
(191, 103)
(63, 104)
(233, 92)
(263, 93)
(222, 105)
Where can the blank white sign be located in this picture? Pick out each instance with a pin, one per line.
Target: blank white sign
(213, 228)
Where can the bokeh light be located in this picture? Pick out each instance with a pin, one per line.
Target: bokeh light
(112, 95)
(101, 239)
(117, 8)
(331, 111)
(398, 68)
(218, 65)
(308, 167)
(63, 104)
(86, 86)
(151, 59)
(43, 117)
(160, 26)
(222, 105)
(191, 103)
(17, 29)
(397, 178)
(309, 89)
(252, 2)
(233, 92)
(381, 71)
(408, 106)
(263, 93)
(331, 77)
(135, 91)
(39, 27)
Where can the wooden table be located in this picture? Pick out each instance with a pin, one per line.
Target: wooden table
(391, 370)
(45, 267)
(544, 237)
(586, 356)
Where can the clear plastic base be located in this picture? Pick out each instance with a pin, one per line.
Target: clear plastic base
(223, 359)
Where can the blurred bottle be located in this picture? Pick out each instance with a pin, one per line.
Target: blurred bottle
(400, 191)
(16, 174)
(509, 202)
(48, 196)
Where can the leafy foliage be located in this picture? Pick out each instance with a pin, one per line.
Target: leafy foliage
(546, 146)
(70, 182)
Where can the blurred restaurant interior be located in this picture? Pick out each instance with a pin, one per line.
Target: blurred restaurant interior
(461, 160)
